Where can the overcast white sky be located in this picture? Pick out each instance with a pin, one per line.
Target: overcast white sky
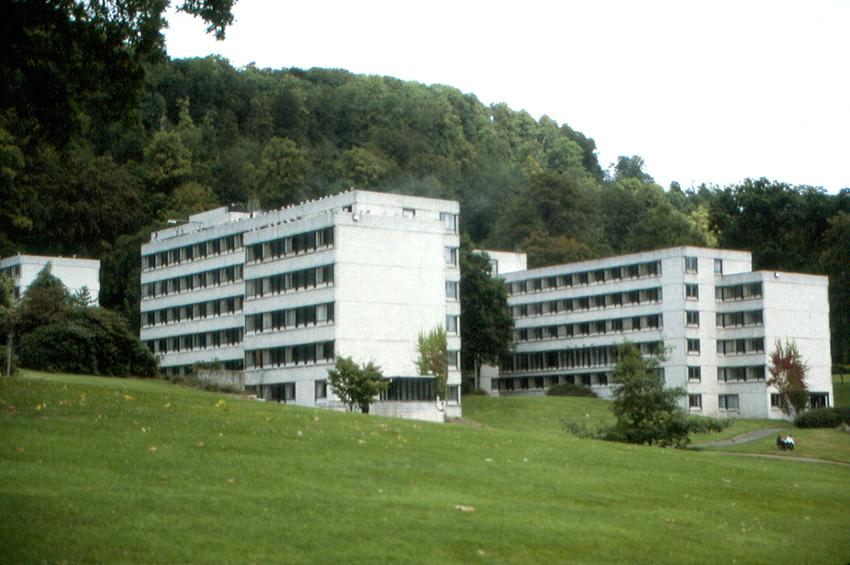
(704, 91)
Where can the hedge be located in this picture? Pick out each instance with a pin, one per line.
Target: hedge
(824, 418)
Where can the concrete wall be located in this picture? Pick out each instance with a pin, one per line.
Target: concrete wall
(220, 378)
(426, 411)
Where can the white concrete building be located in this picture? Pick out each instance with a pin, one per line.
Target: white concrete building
(73, 272)
(279, 294)
(716, 320)
(504, 262)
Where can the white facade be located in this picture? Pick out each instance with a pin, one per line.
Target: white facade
(74, 273)
(279, 294)
(504, 262)
(715, 319)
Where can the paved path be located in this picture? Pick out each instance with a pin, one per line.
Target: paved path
(785, 458)
(743, 438)
(758, 434)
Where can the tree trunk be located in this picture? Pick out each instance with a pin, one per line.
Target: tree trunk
(477, 374)
(9, 339)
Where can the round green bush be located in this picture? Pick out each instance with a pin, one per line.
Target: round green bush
(823, 418)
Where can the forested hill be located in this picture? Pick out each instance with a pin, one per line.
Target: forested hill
(205, 134)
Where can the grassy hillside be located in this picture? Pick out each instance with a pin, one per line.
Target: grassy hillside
(545, 414)
(96, 469)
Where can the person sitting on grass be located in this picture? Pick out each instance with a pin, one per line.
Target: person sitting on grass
(780, 441)
(789, 442)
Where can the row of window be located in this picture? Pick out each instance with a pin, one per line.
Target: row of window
(731, 402)
(692, 265)
(302, 354)
(201, 340)
(739, 319)
(290, 318)
(541, 383)
(294, 280)
(398, 390)
(195, 281)
(740, 346)
(611, 300)
(13, 272)
(741, 374)
(597, 356)
(296, 244)
(181, 370)
(196, 311)
(596, 327)
(448, 220)
(417, 390)
(731, 374)
(634, 271)
(192, 252)
(745, 291)
(725, 402)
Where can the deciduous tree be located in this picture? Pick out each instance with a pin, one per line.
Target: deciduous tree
(486, 326)
(788, 375)
(433, 358)
(356, 385)
(646, 411)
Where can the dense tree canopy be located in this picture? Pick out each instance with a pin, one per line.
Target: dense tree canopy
(201, 133)
(63, 59)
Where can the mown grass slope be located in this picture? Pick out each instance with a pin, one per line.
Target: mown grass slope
(96, 469)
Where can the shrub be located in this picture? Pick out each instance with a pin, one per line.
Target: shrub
(567, 389)
(95, 341)
(704, 424)
(824, 418)
(60, 346)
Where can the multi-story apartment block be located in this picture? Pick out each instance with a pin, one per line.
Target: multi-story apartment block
(714, 319)
(279, 294)
(74, 273)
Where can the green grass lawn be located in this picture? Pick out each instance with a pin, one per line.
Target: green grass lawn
(97, 469)
(544, 414)
(829, 444)
(841, 389)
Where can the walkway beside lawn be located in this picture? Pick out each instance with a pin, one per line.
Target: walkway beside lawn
(743, 438)
(756, 435)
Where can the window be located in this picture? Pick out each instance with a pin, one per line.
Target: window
(494, 267)
(450, 255)
(775, 400)
(691, 265)
(454, 361)
(449, 221)
(691, 291)
(695, 401)
(408, 212)
(451, 290)
(692, 318)
(693, 346)
(727, 402)
(451, 324)
(453, 393)
(321, 390)
(718, 266)
(818, 400)
(694, 374)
